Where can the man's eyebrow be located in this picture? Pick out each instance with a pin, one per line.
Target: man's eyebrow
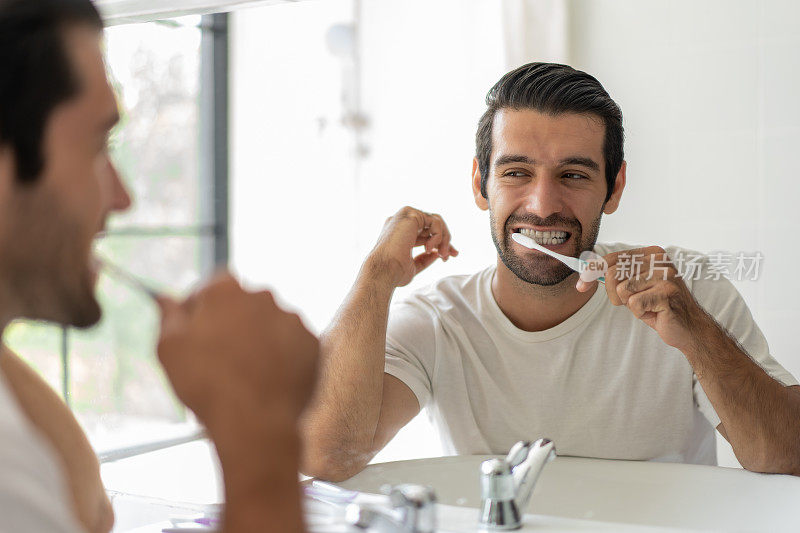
(507, 159)
(587, 162)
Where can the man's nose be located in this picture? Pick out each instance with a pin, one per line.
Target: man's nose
(544, 197)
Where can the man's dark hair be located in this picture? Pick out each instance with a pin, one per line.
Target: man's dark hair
(552, 88)
(35, 72)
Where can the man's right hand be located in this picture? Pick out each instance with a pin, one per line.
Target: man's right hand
(247, 369)
(359, 407)
(402, 232)
(227, 350)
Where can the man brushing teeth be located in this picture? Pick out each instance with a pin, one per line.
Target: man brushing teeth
(545, 237)
(644, 369)
(534, 266)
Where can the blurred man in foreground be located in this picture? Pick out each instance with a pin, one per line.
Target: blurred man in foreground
(225, 350)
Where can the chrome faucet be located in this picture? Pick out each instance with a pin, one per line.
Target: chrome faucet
(413, 511)
(507, 484)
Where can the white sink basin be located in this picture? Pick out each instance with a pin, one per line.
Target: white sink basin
(571, 495)
(636, 493)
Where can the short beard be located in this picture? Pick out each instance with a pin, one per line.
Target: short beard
(544, 271)
(44, 265)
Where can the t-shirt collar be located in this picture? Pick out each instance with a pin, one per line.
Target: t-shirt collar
(493, 312)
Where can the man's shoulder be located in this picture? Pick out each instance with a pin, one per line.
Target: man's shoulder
(451, 293)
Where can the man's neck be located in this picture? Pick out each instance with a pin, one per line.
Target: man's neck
(535, 307)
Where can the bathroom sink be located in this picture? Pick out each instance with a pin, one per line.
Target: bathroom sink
(636, 493)
(572, 494)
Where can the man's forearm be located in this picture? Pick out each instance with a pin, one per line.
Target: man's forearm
(260, 462)
(760, 416)
(339, 427)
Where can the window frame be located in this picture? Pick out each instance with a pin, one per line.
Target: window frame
(214, 180)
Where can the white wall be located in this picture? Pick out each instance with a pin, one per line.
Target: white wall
(305, 211)
(292, 202)
(709, 91)
(427, 67)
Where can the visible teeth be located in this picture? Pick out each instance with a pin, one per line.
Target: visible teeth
(545, 237)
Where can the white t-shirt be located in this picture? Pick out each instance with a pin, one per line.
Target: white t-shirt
(33, 490)
(600, 384)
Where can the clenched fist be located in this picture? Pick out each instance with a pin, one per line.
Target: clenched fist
(404, 231)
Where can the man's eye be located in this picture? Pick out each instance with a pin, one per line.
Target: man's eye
(514, 174)
(574, 176)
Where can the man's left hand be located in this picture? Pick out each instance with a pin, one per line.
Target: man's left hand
(646, 282)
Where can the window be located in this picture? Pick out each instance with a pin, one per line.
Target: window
(174, 163)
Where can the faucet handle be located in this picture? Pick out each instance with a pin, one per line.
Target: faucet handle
(518, 453)
(413, 511)
(416, 505)
(507, 483)
(409, 495)
(368, 517)
(526, 474)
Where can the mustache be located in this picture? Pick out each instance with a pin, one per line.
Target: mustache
(552, 220)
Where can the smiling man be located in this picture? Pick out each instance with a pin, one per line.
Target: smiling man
(644, 369)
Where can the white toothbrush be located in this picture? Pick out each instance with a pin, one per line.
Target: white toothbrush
(578, 265)
(126, 277)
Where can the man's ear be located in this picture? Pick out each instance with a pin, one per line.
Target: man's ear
(480, 201)
(619, 185)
